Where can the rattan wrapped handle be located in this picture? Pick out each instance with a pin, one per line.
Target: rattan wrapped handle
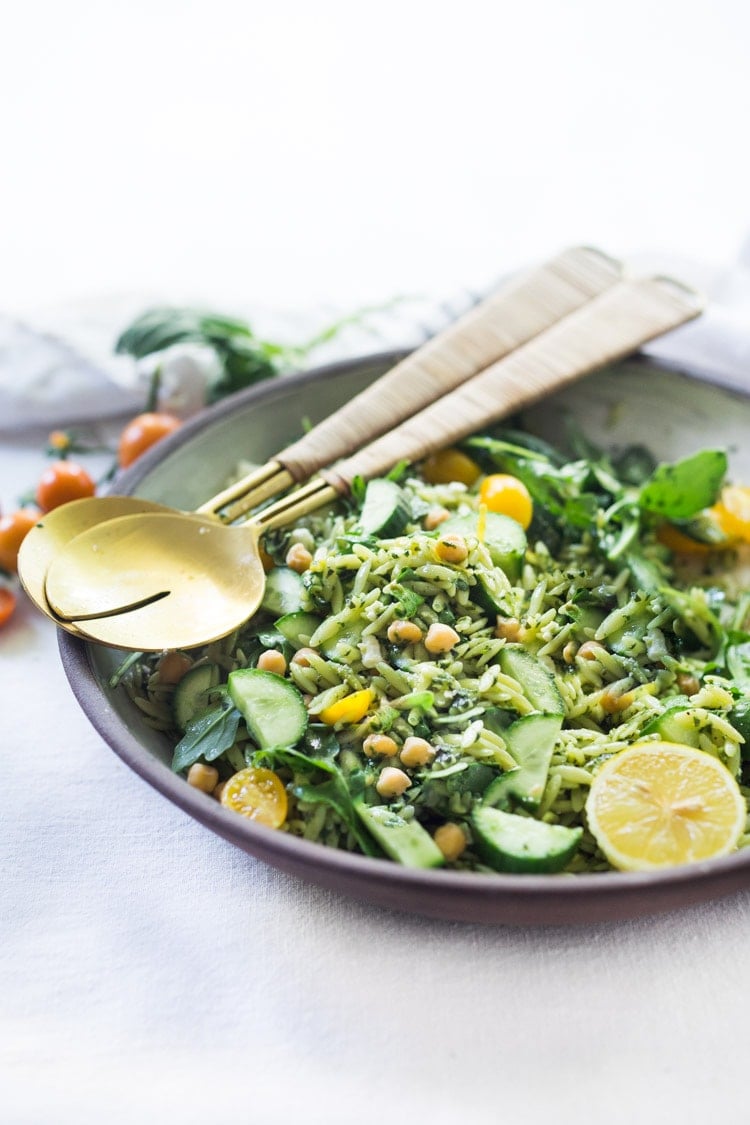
(608, 328)
(515, 314)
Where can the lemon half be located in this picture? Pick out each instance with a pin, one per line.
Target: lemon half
(659, 804)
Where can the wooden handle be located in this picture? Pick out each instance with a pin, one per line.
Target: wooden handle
(515, 314)
(606, 329)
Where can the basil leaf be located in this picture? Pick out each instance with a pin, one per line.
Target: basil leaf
(685, 487)
(207, 736)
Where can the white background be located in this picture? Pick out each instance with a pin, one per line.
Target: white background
(297, 154)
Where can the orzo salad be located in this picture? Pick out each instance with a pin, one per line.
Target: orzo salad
(505, 659)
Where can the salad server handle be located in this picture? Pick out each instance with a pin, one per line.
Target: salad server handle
(518, 311)
(606, 329)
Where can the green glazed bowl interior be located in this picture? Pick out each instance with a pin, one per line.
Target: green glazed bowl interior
(670, 412)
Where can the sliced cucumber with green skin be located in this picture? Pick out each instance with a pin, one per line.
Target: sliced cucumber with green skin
(503, 537)
(739, 717)
(347, 637)
(272, 707)
(283, 592)
(537, 682)
(678, 724)
(406, 841)
(530, 742)
(297, 628)
(386, 511)
(519, 844)
(191, 694)
(490, 591)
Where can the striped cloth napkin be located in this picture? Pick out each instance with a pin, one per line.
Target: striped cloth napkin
(59, 368)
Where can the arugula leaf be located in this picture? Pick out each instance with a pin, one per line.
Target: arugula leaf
(680, 490)
(207, 736)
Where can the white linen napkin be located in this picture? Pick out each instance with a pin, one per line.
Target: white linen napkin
(59, 367)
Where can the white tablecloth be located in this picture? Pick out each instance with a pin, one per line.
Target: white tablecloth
(291, 154)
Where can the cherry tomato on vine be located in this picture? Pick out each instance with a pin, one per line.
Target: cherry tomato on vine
(61, 482)
(507, 495)
(141, 433)
(13, 529)
(7, 604)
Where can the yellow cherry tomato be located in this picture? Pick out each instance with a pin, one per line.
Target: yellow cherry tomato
(258, 794)
(351, 709)
(507, 496)
(450, 465)
(732, 512)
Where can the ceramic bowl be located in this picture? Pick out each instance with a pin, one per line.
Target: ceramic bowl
(672, 412)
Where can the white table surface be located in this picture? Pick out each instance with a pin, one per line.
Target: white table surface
(296, 154)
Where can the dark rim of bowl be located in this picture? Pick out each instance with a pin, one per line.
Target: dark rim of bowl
(304, 855)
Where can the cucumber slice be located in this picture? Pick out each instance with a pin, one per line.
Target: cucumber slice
(739, 717)
(191, 694)
(406, 841)
(503, 537)
(297, 628)
(678, 724)
(271, 706)
(537, 682)
(530, 741)
(347, 637)
(283, 592)
(508, 842)
(386, 511)
(490, 591)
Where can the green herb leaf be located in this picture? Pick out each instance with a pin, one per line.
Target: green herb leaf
(207, 736)
(679, 490)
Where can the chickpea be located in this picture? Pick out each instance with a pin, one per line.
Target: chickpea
(302, 656)
(435, 517)
(451, 840)
(440, 638)
(219, 789)
(381, 744)
(509, 628)
(404, 633)
(203, 777)
(417, 752)
(298, 558)
(591, 650)
(688, 683)
(569, 652)
(272, 661)
(173, 666)
(615, 701)
(451, 548)
(392, 782)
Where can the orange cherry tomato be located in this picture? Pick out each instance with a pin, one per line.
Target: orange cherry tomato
(508, 496)
(61, 482)
(13, 529)
(7, 604)
(141, 433)
(680, 543)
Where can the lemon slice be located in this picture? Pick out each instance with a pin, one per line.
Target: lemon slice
(658, 804)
